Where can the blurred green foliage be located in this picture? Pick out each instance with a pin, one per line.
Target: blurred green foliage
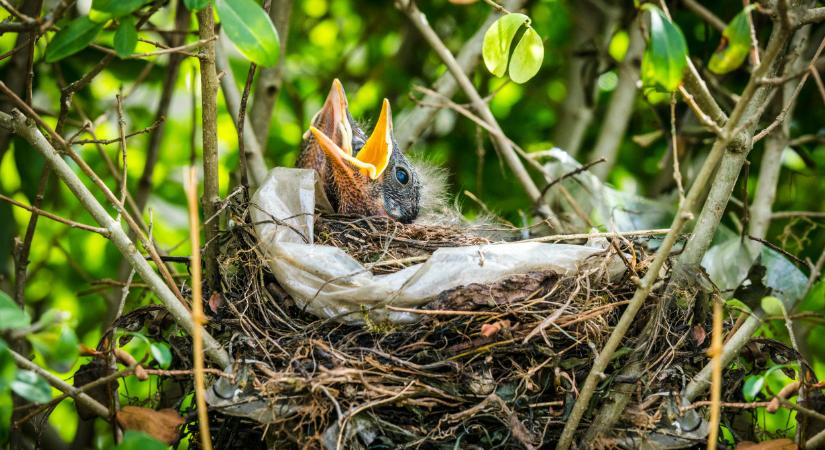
(372, 48)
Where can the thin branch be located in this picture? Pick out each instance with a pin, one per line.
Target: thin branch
(250, 76)
(703, 179)
(209, 120)
(509, 155)
(182, 49)
(148, 129)
(21, 253)
(413, 123)
(65, 147)
(270, 79)
(34, 210)
(254, 151)
(56, 382)
(783, 114)
(715, 352)
(704, 13)
(18, 123)
(197, 307)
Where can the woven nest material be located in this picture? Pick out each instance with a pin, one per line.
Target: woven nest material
(487, 366)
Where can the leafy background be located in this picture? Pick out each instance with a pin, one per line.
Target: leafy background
(372, 48)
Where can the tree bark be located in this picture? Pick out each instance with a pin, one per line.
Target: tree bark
(269, 81)
(620, 109)
(592, 30)
(209, 117)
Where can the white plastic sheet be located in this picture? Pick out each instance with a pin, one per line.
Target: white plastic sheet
(329, 283)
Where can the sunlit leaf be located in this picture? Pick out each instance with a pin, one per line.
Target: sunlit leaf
(497, 41)
(773, 306)
(117, 8)
(31, 386)
(58, 345)
(735, 44)
(249, 27)
(12, 317)
(7, 367)
(126, 37)
(6, 407)
(196, 5)
(527, 57)
(665, 57)
(136, 440)
(752, 387)
(161, 353)
(72, 39)
(737, 305)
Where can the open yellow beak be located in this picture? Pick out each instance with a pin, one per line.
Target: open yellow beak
(332, 118)
(374, 158)
(378, 149)
(338, 155)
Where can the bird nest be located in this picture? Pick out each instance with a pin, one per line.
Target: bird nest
(485, 366)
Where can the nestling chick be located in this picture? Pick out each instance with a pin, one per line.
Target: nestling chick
(361, 175)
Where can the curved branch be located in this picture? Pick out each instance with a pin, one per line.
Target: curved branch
(17, 123)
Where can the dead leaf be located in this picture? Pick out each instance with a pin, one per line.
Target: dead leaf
(462, 2)
(775, 444)
(215, 301)
(490, 329)
(699, 334)
(162, 425)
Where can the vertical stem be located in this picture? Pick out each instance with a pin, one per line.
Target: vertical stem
(197, 308)
(269, 82)
(620, 108)
(716, 377)
(209, 117)
(241, 116)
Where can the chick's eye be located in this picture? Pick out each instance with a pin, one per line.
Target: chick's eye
(402, 175)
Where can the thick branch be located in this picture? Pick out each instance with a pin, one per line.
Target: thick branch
(17, 123)
(209, 117)
(703, 179)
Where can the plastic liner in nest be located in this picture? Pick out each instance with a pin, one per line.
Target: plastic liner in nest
(489, 352)
(327, 281)
(485, 365)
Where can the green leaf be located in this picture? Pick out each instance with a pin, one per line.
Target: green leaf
(7, 368)
(11, 316)
(773, 306)
(734, 46)
(59, 347)
(162, 354)
(737, 305)
(31, 386)
(497, 41)
(752, 387)
(665, 57)
(126, 37)
(6, 407)
(196, 5)
(72, 39)
(136, 440)
(527, 57)
(248, 27)
(117, 8)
